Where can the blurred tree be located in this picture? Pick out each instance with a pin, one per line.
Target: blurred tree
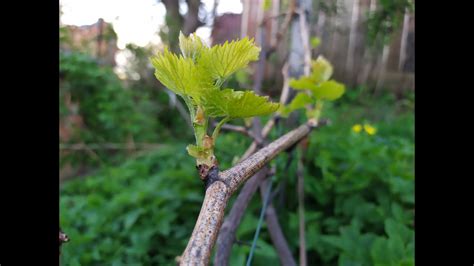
(138, 63)
(176, 22)
(226, 28)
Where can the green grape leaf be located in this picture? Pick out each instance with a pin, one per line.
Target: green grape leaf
(221, 61)
(394, 229)
(303, 83)
(396, 248)
(191, 46)
(300, 101)
(180, 74)
(379, 252)
(237, 104)
(321, 70)
(329, 90)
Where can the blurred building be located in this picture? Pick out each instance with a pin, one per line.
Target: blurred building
(226, 28)
(98, 40)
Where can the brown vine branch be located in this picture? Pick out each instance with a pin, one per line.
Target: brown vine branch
(271, 123)
(300, 167)
(229, 227)
(243, 130)
(198, 250)
(275, 229)
(232, 221)
(264, 21)
(234, 128)
(276, 234)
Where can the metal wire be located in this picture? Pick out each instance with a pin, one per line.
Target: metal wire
(259, 226)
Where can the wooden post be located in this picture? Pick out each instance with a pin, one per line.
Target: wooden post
(274, 23)
(403, 45)
(245, 18)
(349, 69)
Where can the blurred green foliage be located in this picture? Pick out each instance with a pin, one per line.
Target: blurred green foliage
(110, 111)
(360, 188)
(386, 19)
(135, 214)
(382, 22)
(359, 193)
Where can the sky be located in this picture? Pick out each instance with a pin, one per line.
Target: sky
(135, 21)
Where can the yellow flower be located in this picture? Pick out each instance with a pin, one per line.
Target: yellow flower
(370, 129)
(357, 128)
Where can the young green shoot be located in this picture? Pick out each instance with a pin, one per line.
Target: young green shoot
(197, 75)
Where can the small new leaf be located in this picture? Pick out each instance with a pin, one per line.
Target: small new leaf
(237, 104)
(267, 4)
(191, 46)
(300, 101)
(321, 70)
(223, 60)
(318, 83)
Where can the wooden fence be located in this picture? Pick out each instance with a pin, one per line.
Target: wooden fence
(344, 42)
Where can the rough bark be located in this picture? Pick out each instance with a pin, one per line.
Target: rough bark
(208, 223)
(191, 20)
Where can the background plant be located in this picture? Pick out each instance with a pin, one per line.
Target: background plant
(344, 170)
(318, 88)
